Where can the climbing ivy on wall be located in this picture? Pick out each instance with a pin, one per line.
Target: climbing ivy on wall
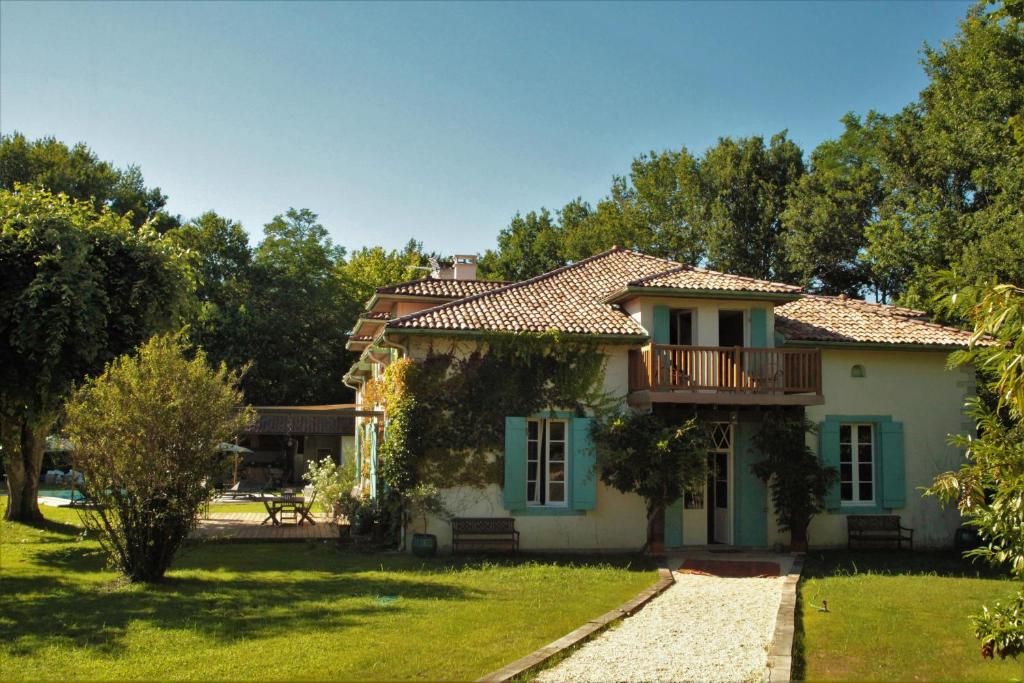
(446, 413)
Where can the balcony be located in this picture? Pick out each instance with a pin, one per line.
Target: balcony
(660, 373)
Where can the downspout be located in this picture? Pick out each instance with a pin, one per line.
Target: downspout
(393, 345)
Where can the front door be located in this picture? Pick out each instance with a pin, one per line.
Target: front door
(720, 483)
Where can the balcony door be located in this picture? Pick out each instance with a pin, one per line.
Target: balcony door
(720, 487)
(680, 331)
(731, 330)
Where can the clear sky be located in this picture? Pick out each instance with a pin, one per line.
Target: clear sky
(439, 121)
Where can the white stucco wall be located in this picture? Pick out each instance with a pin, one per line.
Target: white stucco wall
(915, 388)
(705, 315)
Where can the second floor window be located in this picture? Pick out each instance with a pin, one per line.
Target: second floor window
(546, 462)
(856, 463)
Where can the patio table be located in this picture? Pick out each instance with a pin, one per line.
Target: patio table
(275, 504)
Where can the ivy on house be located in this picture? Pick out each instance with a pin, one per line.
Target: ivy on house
(446, 413)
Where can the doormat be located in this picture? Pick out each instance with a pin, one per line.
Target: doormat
(731, 569)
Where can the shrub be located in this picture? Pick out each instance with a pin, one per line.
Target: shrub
(797, 479)
(333, 485)
(145, 435)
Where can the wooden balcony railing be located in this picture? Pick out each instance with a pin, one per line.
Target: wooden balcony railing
(661, 367)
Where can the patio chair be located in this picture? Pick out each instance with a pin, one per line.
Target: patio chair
(304, 509)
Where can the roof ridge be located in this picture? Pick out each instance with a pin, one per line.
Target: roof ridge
(888, 308)
(522, 283)
(685, 267)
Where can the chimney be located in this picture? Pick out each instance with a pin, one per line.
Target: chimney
(465, 266)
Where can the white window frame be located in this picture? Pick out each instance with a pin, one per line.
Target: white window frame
(855, 481)
(543, 461)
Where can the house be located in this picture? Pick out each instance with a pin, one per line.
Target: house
(681, 340)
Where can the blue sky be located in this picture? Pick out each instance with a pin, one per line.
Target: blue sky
(439, 121)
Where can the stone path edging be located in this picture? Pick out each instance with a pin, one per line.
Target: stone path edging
(584, 633)
(780, 656)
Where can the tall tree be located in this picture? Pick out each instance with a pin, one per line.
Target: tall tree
(830, 207)
(219, 314)
(739, 189)
(954, 170)
(79, 287)
(367, 268)
(528, 246)
(77, 172)
(299, 315)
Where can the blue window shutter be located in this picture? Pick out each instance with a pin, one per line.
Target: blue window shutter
(829, 452)
(515, 463)
(894, 482)
(584, 477)
(758, 328)
(660, 333)
(674, 524)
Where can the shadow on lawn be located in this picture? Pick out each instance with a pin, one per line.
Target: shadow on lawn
(97, 616)
(821, 564)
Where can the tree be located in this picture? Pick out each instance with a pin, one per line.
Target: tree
(739, 190)
(78, 173)
(953, 171)
(299, 315)
(641, 453)
(528, 246)
(829, 208)
(219, 313)
(796, 477)
(988, 489)
(79, 287)
(370, 267)
(146, 433)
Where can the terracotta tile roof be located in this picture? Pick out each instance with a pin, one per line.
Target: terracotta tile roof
(840, 319)
(690, 277)
(361, 338)
(568, 299)
(445, 289)
(375, 315)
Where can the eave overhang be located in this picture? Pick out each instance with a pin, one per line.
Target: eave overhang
(633, 292)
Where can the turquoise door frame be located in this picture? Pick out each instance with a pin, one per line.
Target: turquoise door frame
(749, 506)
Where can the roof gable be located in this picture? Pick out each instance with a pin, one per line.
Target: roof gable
(701, 279)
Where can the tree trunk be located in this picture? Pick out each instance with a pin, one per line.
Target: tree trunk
(798, 539)
(656, 529)
(23, 444)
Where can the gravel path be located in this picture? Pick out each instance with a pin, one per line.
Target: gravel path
(703, 628)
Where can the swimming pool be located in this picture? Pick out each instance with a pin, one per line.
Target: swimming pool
(66, 494)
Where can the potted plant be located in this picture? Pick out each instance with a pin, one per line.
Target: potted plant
(423, 500)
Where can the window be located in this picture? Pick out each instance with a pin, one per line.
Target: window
(680, 331)
(721, 447)
(546, 462)
(857, 463)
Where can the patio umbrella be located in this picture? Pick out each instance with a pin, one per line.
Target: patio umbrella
(225, 447)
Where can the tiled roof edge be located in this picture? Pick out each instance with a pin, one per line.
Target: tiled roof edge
(393, 324)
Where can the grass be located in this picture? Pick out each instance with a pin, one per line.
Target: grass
(276, 611)
(896, 616)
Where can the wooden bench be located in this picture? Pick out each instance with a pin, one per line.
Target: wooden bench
(877, 528)
(484, 532)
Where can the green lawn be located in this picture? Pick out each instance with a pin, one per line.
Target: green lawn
(284, 610)
(896, 616)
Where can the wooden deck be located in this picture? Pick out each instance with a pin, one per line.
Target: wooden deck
(245, 526)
